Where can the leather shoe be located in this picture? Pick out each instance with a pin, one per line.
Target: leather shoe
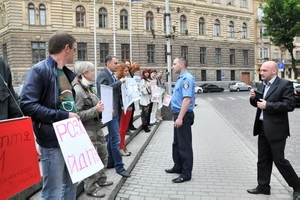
(172, 171)
(124, 173)
(296, 195)
(258, 191)
(179, 180)
(109, 167)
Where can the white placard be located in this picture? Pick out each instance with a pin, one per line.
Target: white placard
(107, 99)
(79, 153)
(130, 92)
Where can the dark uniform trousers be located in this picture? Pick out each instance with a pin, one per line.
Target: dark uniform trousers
(182, 146)
(270, 151)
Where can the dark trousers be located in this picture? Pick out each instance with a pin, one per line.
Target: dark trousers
(182, 146)
(270, 151)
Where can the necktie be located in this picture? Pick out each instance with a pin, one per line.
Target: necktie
(113, 76)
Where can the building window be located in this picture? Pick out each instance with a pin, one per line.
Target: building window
(229, 2)
(38, 51)
(201, 26)
(245, 57)
(166, 55)
(150, 53)
(275, 54)
(244, 30)
(260, 13)
(232, 57)
(42, 13)
(125, 51)
(31, 14)
(102, 18)
(82, 51)
(203, 75)
(218, 56)
(183, 22)
(244, 3)
(202, 55)
(80, 16)
(297, 55)
(262, 30)
(104, 51)
(185, 52)
(217, 28)
(263, 52)
(219, 75)
(149, 21)
(123, 19)
(232, 75)
(231, 29)
(216, 1)
(4, 51)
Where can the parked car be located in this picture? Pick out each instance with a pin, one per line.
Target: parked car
(239, 86)
(212, 88)
(198, 89)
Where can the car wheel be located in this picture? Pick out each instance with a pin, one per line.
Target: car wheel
(249, 89)
(199, 91)
(237, 89)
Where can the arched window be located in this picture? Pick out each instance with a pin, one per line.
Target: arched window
(102, 18)
(31, 14)
(231, 29)
(149, 21)
(217, 28)
(183, 24)
(244, 30)
(80, 16)
(201, 26)
(123, 19)
(42, 13)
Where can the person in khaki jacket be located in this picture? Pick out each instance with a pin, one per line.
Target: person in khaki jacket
(89, 109)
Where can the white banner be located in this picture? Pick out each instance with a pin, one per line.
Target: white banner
(80, 155)
(107, 99)
(130, 92)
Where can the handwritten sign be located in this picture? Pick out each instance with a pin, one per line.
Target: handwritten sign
(79, 153)
(19, 167)
(167, 99)
(130, 92)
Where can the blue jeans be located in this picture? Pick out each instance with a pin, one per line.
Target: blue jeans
(57, 183)
(113, 144)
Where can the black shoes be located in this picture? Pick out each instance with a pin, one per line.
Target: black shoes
(258, 191)
(179, 180)
(124, 173)
(109, 167)
(132, 128)
(172, 171)
(146, 129)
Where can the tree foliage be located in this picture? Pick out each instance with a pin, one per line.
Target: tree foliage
(282, 20)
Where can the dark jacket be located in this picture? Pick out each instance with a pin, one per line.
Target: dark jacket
(280, 100)
(39, 100)
(105, 78)
(8, 104)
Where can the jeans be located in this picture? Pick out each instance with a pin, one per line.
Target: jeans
(113, 144)
(57, 183)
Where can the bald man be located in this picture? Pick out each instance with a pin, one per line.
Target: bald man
(272, 127)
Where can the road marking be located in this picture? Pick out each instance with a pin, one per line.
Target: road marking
(209, 99)
(220, 98)
(232, 98)
(243, 97)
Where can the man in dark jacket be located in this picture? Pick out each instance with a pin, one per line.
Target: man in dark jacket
(8, 104)
(47, 97)
(272, 127)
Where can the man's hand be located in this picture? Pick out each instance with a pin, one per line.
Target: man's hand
(262, 104)
(71, 114)
(178, 123)
(252, 94)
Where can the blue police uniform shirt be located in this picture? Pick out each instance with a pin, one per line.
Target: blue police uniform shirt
(185, 87)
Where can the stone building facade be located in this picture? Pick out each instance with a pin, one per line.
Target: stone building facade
(216, 36)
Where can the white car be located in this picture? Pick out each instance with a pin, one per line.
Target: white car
(198, 89)
(239, 86)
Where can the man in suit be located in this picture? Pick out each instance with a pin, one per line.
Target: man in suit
(272, 127)
(106, 77)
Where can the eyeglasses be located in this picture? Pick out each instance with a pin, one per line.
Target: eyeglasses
(68, 105)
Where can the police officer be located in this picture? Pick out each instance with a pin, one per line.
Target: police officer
(182, 105)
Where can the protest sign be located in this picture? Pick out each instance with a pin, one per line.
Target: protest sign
(79, 153)
(19, 167)
(130, 92)
(107, 99)
(167, 99)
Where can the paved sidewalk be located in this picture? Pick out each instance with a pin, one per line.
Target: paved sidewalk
(224, 164)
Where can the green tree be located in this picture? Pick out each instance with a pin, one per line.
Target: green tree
(282, 20)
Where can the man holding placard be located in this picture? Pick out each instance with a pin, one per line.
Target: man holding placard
(47, 97)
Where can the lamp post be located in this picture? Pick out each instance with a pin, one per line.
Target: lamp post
(169, 53)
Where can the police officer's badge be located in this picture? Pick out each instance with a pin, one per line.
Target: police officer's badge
(186, 85)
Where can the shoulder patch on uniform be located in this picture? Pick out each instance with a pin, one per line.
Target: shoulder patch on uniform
(186, 85)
